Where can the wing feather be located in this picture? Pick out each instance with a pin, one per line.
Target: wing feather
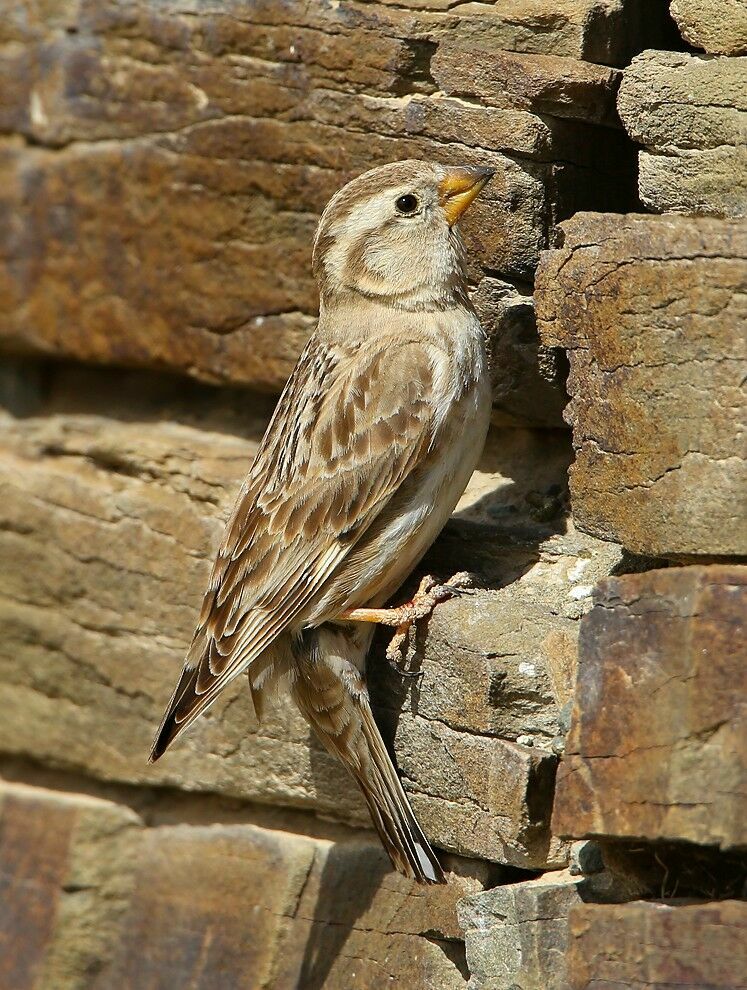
(345, 434)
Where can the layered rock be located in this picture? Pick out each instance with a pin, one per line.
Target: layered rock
(718, 26)
(108, 526)
(658, 945)
(96, 896)
(658, 742)
(544, 84)
(651, 310)
(164, 212)
(690, 113)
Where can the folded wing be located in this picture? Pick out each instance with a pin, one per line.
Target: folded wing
(346, 432)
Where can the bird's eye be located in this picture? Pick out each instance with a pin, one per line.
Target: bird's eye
(407, 204)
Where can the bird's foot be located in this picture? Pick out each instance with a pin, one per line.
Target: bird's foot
(429, 594)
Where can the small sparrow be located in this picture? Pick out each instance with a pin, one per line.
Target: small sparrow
(371, 445)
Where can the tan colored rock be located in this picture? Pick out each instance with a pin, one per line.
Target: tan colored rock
(718, 26)
(651, 310)
(690, 112)
(164, 205)
(673, 100)
(358, 925)
(658, 742)
(95, 898)
(516, 936)
(544, 84)
(108, 527)
(649, 945)
(712, 182)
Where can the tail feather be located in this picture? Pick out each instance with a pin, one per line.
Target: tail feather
(391, 813)
(333, 698)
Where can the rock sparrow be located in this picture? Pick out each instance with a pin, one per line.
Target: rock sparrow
(370, 447)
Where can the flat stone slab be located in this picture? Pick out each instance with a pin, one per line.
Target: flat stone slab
(544, 84)
(658, 741)
(647, 945)
(651, 311)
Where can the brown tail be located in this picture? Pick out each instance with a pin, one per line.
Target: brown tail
(338, 710)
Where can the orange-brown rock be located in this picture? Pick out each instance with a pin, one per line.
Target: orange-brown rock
(164, 199)
(658, 742)
(544, 84)
(650, 945)
(65, 861)
(97, 896)
(108, 523)
(651, 311)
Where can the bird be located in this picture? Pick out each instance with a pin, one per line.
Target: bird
(371, 444)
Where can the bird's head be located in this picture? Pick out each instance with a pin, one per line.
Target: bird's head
(389, 235)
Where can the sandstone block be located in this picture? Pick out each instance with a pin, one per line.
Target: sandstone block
(163, 211)
(713, 181)
(658, 741)
(656, 946)
(108, 528)
(96, 898)
(357, 926)
(544, 84)
(516, 936)
(651, 310)
(719, 26)
(675, 100)
(690, 112)
(64, 860)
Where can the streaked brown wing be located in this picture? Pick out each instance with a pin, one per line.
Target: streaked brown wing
(349, 427)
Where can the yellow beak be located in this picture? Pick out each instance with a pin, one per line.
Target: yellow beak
(459, 188)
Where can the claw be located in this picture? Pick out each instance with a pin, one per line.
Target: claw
(428, 595)
(409, 674)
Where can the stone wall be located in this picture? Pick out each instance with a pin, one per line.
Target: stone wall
(577, 745)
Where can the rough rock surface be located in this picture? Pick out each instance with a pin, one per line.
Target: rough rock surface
(659, 945)
(528, 378)
(718, 26)
(64, 862)
(658, 741)
(516, 936)
(165, 166)
(690, 113)
(108, 525)
(651, 310)
(711, 182)
(98, 894)
(672, 99)
(544, 84)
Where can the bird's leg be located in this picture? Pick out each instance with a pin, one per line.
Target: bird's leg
(429, 594)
